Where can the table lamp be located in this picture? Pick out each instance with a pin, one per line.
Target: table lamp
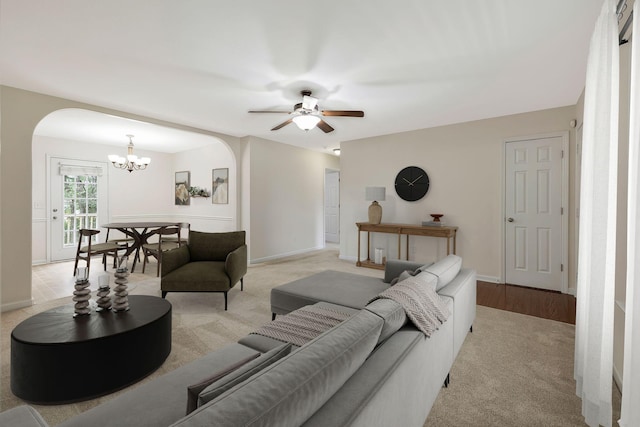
(375, 194)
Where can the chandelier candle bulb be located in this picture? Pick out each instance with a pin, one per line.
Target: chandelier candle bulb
(132, 162)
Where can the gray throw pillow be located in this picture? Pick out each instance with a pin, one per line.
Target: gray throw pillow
(239, 375)
(194, 390)
(404, 275)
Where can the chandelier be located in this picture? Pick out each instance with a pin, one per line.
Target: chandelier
(131, 162)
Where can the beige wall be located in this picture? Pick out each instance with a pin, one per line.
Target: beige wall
(21, 112)
(465, 165)
(287, 199)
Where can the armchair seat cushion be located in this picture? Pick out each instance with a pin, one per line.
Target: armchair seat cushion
(204, 276)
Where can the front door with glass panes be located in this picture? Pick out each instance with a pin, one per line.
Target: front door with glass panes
(78, 199)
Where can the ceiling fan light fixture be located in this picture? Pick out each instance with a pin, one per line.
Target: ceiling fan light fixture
(306, 121)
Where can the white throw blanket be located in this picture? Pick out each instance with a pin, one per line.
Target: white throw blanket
(424, 307)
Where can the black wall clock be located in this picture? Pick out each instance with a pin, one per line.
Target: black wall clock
(412, 183)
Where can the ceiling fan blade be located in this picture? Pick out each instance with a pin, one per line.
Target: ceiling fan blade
(283, 124)
(309, 102)
(324, 126)
(269, 111)
(346, 113)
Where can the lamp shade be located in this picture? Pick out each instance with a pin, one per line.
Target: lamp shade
(374, 193)
(306, 121)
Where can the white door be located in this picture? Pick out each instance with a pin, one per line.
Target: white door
(534, 250)
(332, 207)
(78, 196)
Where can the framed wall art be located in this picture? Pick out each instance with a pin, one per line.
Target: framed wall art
(220, 186)
(183, 182)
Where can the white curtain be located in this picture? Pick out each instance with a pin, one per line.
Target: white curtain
(630, 411)
(597, 239)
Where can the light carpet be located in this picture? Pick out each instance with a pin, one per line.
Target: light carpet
(513, 370)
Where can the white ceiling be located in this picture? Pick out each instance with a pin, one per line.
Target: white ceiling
(409, 64)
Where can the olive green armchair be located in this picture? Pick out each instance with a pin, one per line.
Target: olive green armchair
(210, 262)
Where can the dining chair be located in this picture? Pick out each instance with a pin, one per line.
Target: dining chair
(85, 252)
(176, 238)
(162, 245)
(124, 242)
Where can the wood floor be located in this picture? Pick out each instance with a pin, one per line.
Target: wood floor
(534, 302)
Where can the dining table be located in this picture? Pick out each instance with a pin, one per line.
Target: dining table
(140, 232)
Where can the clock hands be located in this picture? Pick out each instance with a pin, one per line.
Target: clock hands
(412, 182)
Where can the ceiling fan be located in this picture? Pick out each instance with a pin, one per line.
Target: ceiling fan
(306, 114)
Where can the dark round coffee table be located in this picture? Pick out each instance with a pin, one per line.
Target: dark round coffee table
(56, 358)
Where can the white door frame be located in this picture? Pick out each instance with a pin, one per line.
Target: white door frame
(49, 203)
(564, 287)
(328, 171)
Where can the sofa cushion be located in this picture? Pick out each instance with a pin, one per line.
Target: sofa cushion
(162, 400)
(337, 287)
(292, 389)
(404, 275)
(428, 279)
(394, 267)
(392, 313)
(445, 269)
(239, 375)
(198, 276)
(194, 390)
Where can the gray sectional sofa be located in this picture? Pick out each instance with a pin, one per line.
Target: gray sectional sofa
(372, 369)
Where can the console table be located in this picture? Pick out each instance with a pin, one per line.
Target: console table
(56, 358)
(446, 232)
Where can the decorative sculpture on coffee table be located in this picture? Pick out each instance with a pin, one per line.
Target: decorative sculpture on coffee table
(82, 293)
(104, 299)
(121, 300)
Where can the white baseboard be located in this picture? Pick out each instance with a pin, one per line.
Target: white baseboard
(16, 305)
(348, 258)
(284, 255)
(39, 262)
(617, 378)
(490, 279)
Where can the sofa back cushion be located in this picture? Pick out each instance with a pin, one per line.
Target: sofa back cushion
(214, 246)
(289, 391)
(392, 313)
(193, 390)
(445, 269)
(224, 383)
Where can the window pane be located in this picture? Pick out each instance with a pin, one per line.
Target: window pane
(92, 206)
(79, 222)
(68, 223)
(92, 178)
(81, 191)
(69, 190)
(92, 190)
(69, 207)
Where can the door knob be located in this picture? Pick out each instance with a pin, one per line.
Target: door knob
(55, 217)
(510, 219)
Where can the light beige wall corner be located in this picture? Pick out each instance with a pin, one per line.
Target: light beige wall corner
(287, 199)
(621, 236)
(465, 164)
(21, 112)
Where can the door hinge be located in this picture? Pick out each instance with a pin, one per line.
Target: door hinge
(561, 211)
(561, 267)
